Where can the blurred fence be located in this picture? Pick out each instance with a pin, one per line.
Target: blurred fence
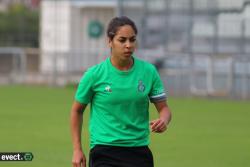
(199, 75)
(200, 47)
(206, 75)
(205, 44)
(18, 64)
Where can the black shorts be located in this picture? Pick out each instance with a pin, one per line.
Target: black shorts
(114, 156)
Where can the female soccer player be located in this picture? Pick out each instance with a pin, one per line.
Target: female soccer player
(119, 90)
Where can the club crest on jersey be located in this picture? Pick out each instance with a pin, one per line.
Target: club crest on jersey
(141, 86)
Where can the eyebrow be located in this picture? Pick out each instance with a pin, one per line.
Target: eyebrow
(128, 38)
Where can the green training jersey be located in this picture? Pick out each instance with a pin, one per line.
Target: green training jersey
(119, 102)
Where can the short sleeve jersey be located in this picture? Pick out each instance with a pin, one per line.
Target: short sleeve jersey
(119, 101)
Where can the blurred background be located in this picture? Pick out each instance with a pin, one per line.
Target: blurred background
(200, 47)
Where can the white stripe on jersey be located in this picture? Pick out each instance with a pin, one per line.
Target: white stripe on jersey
(156, 96)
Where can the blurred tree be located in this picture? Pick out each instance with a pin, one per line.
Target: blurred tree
(19, 26)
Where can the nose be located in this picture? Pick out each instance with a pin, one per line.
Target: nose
(128, 44)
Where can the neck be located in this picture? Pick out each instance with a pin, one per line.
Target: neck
(122, 65)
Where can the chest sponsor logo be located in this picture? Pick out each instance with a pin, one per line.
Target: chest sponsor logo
(141, 86)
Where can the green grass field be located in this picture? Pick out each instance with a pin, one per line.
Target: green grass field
(203, 133)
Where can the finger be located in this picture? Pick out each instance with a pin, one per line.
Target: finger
(161, 125)
(76, 164)
(158, 129)
(84, 164)
(153, 129)
(73, 164)
(161, 129)
(151, 122)
(156, 122)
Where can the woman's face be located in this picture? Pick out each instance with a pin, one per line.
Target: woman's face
(123, 43)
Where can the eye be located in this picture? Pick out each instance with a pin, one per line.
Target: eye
(122, 40)
(132, 39)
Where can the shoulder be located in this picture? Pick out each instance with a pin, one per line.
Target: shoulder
(94, 71)
(98, 68)
(147, 67)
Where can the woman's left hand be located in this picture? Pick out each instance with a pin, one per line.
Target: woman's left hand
(158, 126)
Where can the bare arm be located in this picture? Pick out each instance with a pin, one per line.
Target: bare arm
(160, 125)
(76, 118)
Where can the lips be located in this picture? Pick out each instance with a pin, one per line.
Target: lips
(127, 53)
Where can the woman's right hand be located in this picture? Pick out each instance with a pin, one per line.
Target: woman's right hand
(79, 159)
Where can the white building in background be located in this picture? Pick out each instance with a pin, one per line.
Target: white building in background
(70, 29)
(232, 28)
(73, 31)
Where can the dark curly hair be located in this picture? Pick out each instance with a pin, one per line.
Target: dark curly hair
(117, 22)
